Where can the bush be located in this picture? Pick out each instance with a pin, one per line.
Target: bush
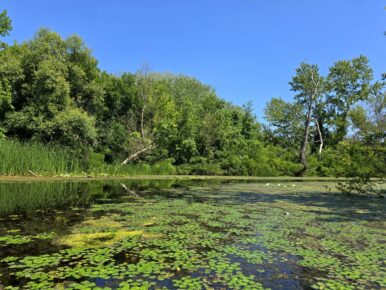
(184, 169)
(164, 167)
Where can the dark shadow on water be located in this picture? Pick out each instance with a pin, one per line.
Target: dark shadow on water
(32, 199)
(33, 208)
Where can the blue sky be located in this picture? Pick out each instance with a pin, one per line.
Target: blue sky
(245, 49)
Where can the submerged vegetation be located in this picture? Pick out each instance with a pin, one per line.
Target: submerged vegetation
(60, 114)
(193, 235)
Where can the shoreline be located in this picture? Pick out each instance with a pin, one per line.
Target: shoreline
(23, 178)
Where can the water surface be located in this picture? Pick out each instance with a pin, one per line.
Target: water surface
(172, 234)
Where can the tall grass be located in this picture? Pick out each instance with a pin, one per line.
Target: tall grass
(18, 158)
(164, 167)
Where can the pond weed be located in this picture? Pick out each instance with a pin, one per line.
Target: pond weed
(245, 240)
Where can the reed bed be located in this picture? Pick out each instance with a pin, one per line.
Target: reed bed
(17, 158)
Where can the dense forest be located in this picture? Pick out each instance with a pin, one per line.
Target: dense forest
(55, 101)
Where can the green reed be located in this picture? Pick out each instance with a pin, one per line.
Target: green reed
(18, 158)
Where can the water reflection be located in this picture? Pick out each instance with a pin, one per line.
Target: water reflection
(181, 232)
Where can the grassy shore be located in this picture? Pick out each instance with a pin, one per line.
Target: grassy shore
(161, 177)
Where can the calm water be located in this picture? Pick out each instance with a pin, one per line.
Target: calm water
(189, 235)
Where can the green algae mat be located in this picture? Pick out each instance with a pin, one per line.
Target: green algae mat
(189, 235)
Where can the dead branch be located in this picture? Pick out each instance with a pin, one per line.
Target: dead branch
(137, 154)
(33, 173)
(320, 139)
(129, 190)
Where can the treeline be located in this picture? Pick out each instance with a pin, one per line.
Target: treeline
(53, 93)
(338, 121)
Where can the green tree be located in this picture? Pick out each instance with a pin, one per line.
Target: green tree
(348, 82)
(73, 128)
(142, 139)
(309, 86)
(5, 26)
(52, 91)
(287, 121)
(369, 119)
(118, 116)
(11, 73)
(365, 154)
(43, 91)
(8, 68)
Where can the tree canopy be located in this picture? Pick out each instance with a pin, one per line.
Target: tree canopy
(53, 92)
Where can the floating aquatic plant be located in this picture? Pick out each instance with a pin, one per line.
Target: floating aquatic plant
(244, 240)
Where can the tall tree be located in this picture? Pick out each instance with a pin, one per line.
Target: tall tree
(369, 119)
(5, 65)
(287, 120)
(5, 26)
(142, 140)
(348, 82)
(44, 107)
(309, 86)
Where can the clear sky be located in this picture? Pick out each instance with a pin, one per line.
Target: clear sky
(245, 49)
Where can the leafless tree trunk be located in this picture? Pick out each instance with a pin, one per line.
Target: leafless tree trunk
(127, 189)
(310, 104)
(320, 139)
(144, 85)
(137, 154)
(142, 121)
(303, 147)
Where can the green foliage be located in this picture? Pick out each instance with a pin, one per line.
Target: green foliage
(5, 25)
(21, 158)
(73, 128)
(362, 185)
(179, 235)
(318, 121)
(308, 84)
(164, 167)
(362, 164)
(348, 82)
(53, 93)
(287, 120)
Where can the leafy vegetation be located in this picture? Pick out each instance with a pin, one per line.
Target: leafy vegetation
(18, 158)
(76, 119)
(196, 235)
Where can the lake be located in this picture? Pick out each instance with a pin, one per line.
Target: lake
(186, 234)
